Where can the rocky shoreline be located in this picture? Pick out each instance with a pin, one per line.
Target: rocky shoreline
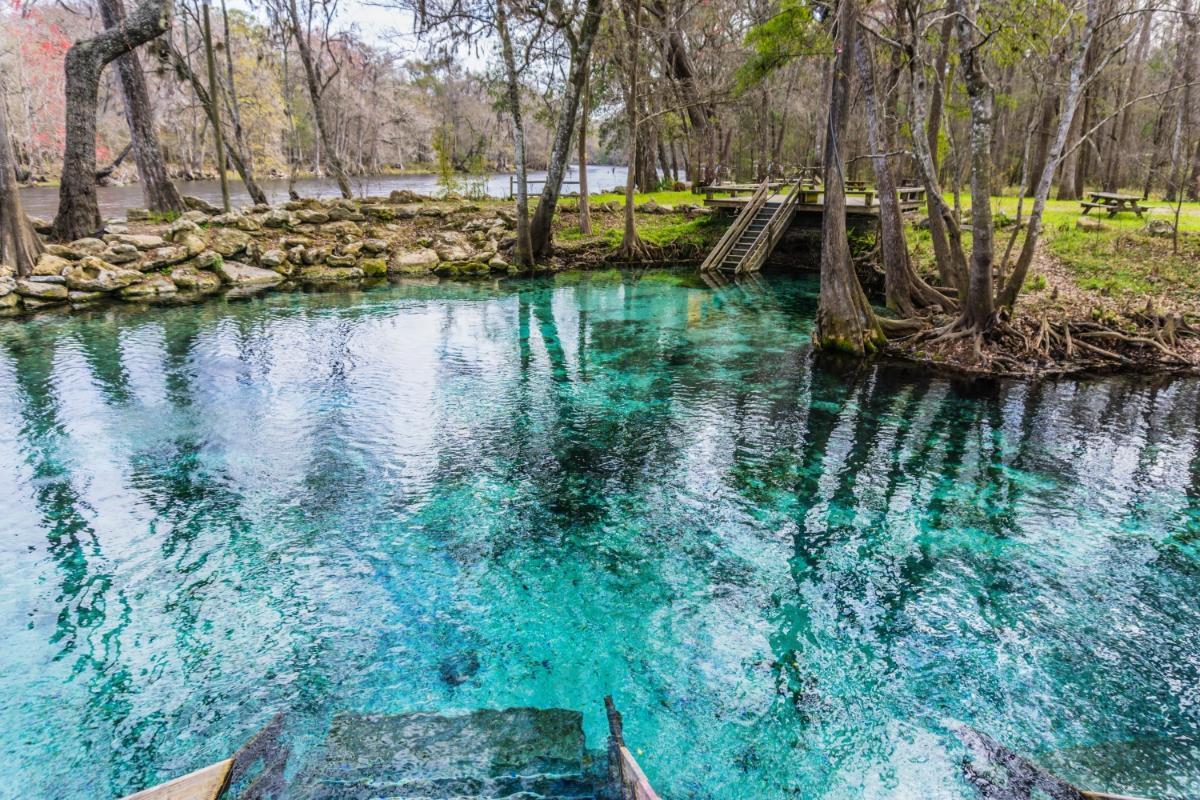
(304, 243)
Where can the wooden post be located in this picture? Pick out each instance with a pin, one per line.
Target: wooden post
(619, 788)
(214, 97)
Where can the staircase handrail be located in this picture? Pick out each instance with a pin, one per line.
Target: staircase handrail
(734, 232)
(771, 231)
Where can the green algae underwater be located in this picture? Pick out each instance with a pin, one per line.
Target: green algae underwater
(794, 578)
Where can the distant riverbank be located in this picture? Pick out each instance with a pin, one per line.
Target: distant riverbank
(42, 201)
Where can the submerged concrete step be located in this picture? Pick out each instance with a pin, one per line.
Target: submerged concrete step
(489, 753)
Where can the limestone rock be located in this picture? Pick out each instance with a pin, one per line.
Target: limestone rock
(88, 247)
(46, 292)
(375, 246)
(295, 255)
(181, 228)
(164, 257)
(315, 255)
(208, 260)
(344, 212)
(451, 246)
(156, 285)
(42, 226)
(141, 241)
(343, 228)
(202, 206)
(1090, 225)
(194, 216)
(245, 223)
(1160, 227)
(337, 261)
(93, 275)
(8, 285)
(272, 258)
(79, 299)
(228, 241)
(194, 244)
(404, 196)
(137, 214)
(327, 274)
(120, 253)
(10, 305)
(188, 278)
(416, 262)
(64, 251)
(372, 267)
(48, 264)
(232, 272)
(279, 218)
(380, 213)
(312, 216)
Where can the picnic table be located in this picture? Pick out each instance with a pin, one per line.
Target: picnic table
(1113, 203)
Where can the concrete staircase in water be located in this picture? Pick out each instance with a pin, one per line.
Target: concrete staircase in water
(514, 754)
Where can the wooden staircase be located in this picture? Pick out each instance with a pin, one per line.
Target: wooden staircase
(755, 232)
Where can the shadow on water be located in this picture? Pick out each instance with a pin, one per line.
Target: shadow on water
(795, 574)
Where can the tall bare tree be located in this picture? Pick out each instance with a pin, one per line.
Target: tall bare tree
(159, 192)
(306, 27)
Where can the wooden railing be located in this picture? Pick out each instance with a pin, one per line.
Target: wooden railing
(771, 234)
(727, 241)
(625, 777)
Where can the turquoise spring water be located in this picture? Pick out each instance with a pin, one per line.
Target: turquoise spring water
(793, 578)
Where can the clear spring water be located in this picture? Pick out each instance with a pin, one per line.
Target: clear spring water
(792, 577)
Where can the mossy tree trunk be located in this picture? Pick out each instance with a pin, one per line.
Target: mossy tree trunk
(845, 320)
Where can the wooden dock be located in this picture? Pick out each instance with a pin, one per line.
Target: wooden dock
(811, 199)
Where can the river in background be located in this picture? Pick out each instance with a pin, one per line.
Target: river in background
(42, 201)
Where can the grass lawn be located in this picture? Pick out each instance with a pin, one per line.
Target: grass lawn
(1123, 261)
(660, 230)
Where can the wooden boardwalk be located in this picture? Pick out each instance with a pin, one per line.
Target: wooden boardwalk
(860, 202)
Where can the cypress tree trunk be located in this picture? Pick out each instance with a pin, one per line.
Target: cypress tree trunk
(543, 216)
(845, 320)
(78, 210)
(19, 243)
(157, 189)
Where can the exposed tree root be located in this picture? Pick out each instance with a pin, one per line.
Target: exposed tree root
(1032, 346)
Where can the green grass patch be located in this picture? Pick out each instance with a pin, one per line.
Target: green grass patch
(663, 198)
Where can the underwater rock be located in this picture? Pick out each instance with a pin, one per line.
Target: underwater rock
(459, 668)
